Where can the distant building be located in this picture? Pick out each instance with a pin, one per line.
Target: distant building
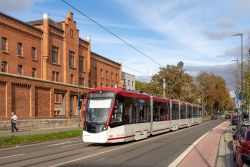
(104, 72)
(43, 66)
(129, 81)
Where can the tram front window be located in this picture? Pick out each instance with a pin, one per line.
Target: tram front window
(98, 109)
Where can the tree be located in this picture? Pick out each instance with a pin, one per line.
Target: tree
(179, 84)
(214, 92)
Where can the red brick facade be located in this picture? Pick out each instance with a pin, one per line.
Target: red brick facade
(44, 64)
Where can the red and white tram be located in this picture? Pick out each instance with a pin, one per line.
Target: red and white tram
(115, 115)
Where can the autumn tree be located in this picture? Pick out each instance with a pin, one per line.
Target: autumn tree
(213, 92)
(179, 84)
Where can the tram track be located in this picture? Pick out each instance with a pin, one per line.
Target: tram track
(113, 154)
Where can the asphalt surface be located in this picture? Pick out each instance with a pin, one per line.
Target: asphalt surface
(157, 151)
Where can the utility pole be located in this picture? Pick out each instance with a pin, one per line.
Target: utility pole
(241, 69)
(78, 105)
(164, 87)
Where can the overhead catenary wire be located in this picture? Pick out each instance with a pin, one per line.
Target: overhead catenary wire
(112, 33)
(134, 70)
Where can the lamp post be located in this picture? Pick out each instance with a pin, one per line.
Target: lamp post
(241, 67)
(164, 87)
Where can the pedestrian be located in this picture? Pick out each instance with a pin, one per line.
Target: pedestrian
(13, 122)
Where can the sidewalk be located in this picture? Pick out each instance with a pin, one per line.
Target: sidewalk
(37, 131)
(212, 150)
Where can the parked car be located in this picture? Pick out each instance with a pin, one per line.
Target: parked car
(215, 117)
(245, 159)
(242, 125)
(227, 116)
(242, 145)
(236, 119)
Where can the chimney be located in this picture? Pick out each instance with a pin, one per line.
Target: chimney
(70, 15)
(88, 38)
(45, 16)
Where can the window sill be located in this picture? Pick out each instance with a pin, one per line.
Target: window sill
(5, 52)
(82, 71)
(56, 64)
(73, 68)
(20, 56)
(35, 60)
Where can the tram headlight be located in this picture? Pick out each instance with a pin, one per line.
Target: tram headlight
(104, 127)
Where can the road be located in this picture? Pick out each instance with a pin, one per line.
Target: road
(157, 151)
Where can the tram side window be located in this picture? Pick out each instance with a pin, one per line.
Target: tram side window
(147, 111)
(163, 114)
(195, 113)
(167, 106)
(128, 110)
(139, 111)
(189, 111)
(175, 111)
(183, 111)
(117, 116)
(156, 112)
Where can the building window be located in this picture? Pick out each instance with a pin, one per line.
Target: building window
(4, 44)
(33, 53)
(57, 97)
(116, 77)
(71, 33)
(101, 73)
(95, 85)
(4, 66)
(72, 79)
(19, 49)
(107, 74)
(55, 55)
(89, 83)
(112, 77)
(128, 82)
(20, 69)
(132, 83)
(53, 75)
(81, 63)
(57, 77)
(71, 59)
(101, 85)
(81, 81)
(33, 72)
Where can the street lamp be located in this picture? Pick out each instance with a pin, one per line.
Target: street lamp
(241, 66)
(164, 87)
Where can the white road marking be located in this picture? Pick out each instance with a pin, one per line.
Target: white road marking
(149, 139)
(189, 149)
(11, 156)
(34, 144)
(72, 145)
(62, 143)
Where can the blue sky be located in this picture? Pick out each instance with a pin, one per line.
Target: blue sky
(197, 32)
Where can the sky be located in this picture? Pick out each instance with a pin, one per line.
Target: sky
(196, 32)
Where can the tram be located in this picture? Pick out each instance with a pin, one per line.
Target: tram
(115, 115)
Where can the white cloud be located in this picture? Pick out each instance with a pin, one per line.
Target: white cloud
(17, 5)
(226, 23)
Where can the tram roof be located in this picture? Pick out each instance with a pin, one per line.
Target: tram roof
(122, 92)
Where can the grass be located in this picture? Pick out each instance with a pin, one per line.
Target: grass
(206, 118)
(7, 141)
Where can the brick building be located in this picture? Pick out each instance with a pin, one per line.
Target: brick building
(105, 72)
(45, 64)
